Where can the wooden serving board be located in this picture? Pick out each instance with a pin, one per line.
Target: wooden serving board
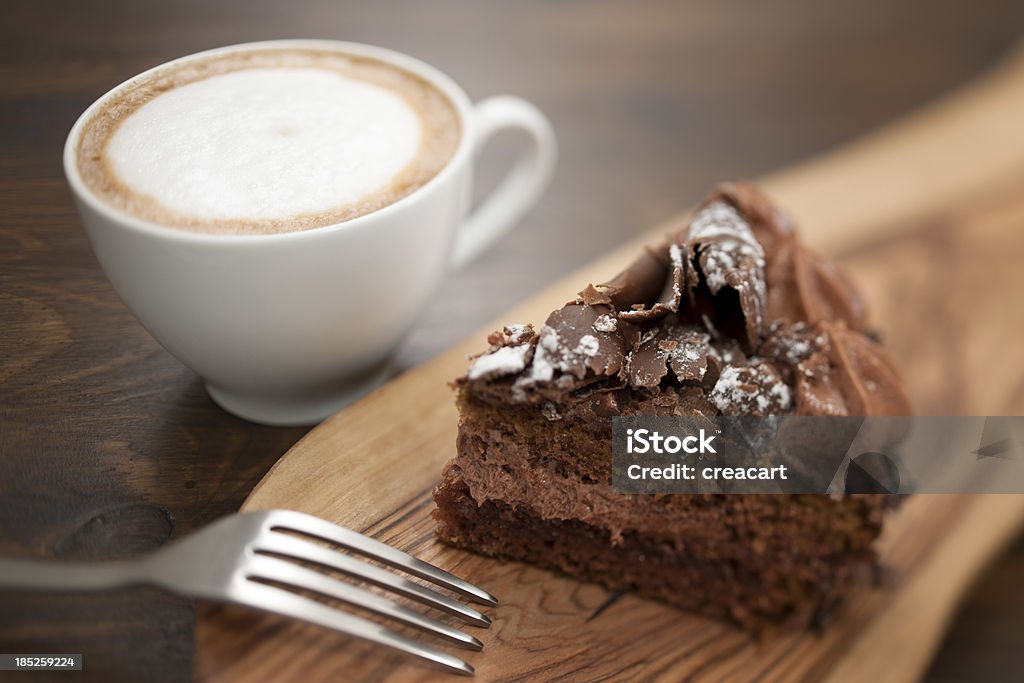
(929, 217)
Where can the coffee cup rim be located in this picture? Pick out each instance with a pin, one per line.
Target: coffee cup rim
(436, 77)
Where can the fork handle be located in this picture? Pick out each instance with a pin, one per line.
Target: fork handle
(44, 574)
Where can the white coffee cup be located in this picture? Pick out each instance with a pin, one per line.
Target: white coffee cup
(286, 328)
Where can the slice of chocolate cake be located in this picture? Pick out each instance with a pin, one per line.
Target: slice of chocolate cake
(731, 316)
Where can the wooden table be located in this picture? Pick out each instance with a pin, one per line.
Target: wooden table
(109, 447)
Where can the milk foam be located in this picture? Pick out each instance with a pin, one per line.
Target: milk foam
(265, 144)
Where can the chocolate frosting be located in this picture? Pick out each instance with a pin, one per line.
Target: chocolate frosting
(732, 303)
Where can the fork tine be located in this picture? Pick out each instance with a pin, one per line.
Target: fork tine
(322, 529)
(280, 601)
(281, 571)
(299, 549)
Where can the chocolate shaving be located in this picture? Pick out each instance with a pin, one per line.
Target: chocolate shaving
(591, 296)
(647, 364)
(689, 359)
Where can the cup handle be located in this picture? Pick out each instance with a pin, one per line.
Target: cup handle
(521, 187)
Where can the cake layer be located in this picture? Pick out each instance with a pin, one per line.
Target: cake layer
(524, 463)
(755, 588)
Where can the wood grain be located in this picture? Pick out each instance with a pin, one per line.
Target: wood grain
(372, 466)
(553, 628)
(109, 447)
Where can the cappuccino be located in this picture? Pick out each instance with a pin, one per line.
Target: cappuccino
(266, 141)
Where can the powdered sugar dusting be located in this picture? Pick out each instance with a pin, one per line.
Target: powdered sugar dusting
(507, 360)
(728, 390)
(516, 333)
(588, 345)
(798, 350)
(735, 246)
(545, 358)
(751, 390)
(780, 391)
(606, 323)
(721, 219)
(675, 253)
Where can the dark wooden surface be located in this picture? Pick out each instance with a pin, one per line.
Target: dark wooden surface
(109, 447)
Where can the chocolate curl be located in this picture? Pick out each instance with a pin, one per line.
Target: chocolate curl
(729, 256)
(771, 227)
(681, 279)
(641, 282)
(801, 284)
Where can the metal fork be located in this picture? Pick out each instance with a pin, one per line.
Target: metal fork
(238, 560)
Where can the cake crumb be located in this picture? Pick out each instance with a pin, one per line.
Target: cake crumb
(550, 412)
